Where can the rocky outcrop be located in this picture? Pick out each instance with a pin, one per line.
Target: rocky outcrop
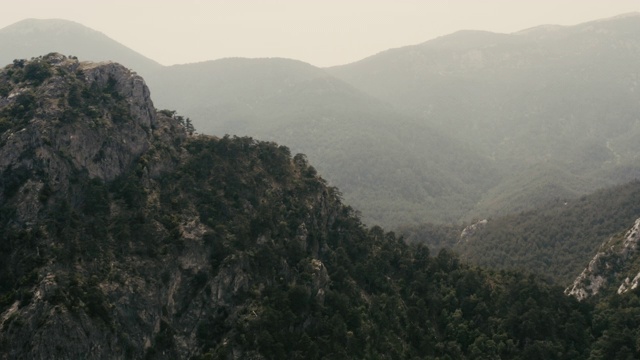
(628, 284)
(127, 84)
(613, 261)
(67, 129)
(470, 230)
(109, 250)
(112, 100)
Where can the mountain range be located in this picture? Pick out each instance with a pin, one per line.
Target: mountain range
(468, 125)
(124, 235)
(561, 100)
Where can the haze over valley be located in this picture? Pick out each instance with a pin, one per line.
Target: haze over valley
(475, 195)
(469, 125)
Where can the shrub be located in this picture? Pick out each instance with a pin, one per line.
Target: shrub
(37, 71)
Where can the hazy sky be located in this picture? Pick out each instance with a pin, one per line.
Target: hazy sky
(323, 33)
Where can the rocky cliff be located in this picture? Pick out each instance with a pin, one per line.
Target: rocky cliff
(69, 128)
(103, 255)
(614, 267)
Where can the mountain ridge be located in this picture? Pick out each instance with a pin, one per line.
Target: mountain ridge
(69, 37)
(572, 119)
(522, 101)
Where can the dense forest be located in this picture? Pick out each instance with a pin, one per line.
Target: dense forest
(554, 241)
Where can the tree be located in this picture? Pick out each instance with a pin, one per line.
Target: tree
(189, 127)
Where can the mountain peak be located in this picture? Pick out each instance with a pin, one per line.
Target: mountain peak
(541, 29)
(32, 25)
(633, 14)
(467, 39)
(102, 114)
(201, 247)
(33, 37)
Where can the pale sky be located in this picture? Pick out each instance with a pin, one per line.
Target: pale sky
(322, 33)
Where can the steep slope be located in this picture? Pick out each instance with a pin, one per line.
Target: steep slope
(123, 237)
(613, 268)
(389, 167)
(552, 241)
(33, 37)
(562, 94)
(610, 280)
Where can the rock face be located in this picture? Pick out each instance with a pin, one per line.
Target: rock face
(470, 230)
(115, 102)
(610, 266)
(108, 252)
(67, 128)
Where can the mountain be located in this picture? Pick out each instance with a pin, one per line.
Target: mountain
(34, 37)
(229, 93)
(123, 236)
(389, 167)
(567, 95)
(469, 125)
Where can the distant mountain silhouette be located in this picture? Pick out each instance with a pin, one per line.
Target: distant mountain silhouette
(567, 95)
(34, 37)
(465, 125)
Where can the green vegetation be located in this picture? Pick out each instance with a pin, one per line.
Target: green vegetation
(376, 294)
(206, 247)
(186, 123)
(616, 327)
(319, 284)
(555, 241)
(21, 109)
(83, 100)
(384, 297)
(37, 71)
(390, 168)
(523, 100)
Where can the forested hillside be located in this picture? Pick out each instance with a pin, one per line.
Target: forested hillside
(556, 107)
(554, 241)
(154, 243)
